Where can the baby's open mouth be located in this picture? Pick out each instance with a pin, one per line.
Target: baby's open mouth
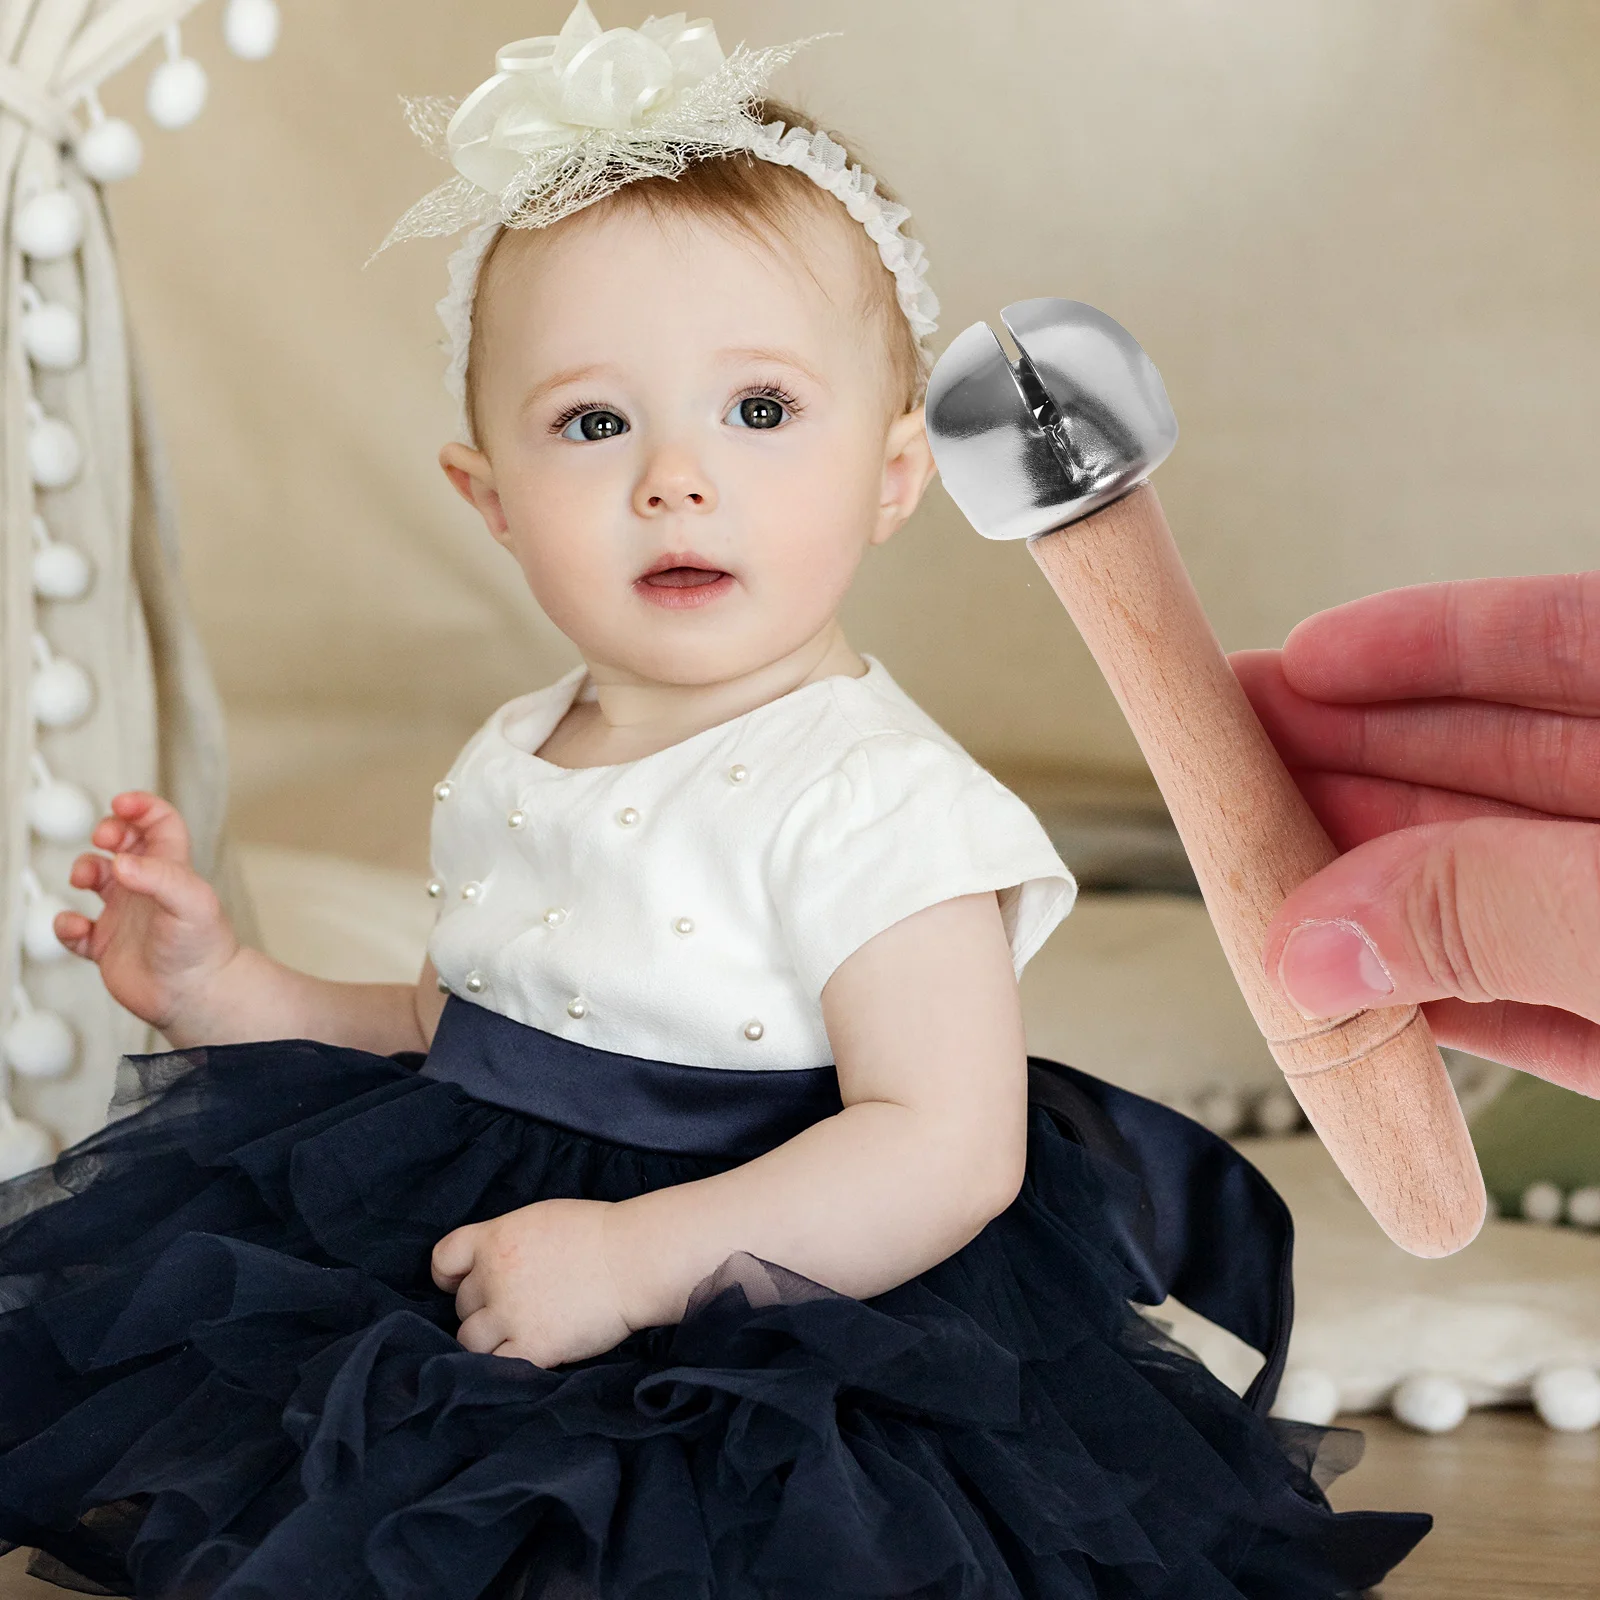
(682, 577)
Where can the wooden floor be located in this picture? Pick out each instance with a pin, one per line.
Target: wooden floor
(1516, 1511)
(1516, 1508)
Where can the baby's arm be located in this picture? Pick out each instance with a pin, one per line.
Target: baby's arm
(167, 952)
(926, 1027)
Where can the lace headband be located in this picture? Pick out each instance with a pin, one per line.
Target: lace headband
(569, 119)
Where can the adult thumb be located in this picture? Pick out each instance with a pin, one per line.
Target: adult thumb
(1492, 908)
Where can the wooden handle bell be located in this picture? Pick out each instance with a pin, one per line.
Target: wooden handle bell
(1372, 1085)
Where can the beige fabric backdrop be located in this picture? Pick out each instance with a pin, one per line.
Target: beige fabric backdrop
(1358, 238)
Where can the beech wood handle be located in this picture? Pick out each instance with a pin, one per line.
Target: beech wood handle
(1373, 1085)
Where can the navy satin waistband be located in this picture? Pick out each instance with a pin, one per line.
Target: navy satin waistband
(655, 1105)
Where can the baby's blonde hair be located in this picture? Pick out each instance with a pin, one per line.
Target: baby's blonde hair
(768, 203)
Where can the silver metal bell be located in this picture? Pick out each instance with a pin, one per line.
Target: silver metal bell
(1079, 419)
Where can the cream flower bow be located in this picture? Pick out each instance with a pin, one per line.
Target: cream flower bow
(568, 119)
(547, 89)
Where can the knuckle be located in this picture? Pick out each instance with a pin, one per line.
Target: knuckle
(1449, 941)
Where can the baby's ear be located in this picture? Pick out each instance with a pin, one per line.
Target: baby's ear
(908, 469)
(472, 477)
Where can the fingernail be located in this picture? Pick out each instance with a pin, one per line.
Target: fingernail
(1331, 968)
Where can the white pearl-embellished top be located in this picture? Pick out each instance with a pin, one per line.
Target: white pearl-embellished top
(689, 906)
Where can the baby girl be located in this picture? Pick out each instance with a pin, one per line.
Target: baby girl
(690, 1228)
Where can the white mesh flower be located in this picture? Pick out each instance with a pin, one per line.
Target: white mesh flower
(569, 119)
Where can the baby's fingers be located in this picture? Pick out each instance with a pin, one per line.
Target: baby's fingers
(144, 823)
(74, 930)
(174, 887)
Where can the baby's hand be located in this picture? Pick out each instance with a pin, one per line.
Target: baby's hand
(161, 934)
(535, 1283)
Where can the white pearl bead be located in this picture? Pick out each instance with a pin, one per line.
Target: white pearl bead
(111, 151)
(1568, 1398)
(753, 1031)
(39, 1045)
(1306, 1395)
(39, 929)
(1220, 1110)
(52, 334)
(442, 791)
(60, 812)
(684, 925)
(1543, 1202)
(177, 93)
(627, 817)
(24, 1146)
(516, 819)
(61, 694)
(50, 226)
(442, 985)
(1430, 1403)
(250, 28)
(738, 773)
(576, 1009)
(554, 917)
(55, 458)
(1278, 1114)
(471, 891)
(61, 572)
(475, 982)
(435, 888)
(1583, 1207)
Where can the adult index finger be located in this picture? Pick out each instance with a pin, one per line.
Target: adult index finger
(1522, 641)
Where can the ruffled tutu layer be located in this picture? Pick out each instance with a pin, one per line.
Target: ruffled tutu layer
(225, 1372)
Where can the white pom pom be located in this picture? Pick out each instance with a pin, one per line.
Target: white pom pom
(1583, 1207)
(61, 572)
(1568, 1398)
(62, 693)
(1220, 1110)
(52, 335)
(55, 458)
(1430, 1403)
(1543, 1202)
(251, 28)
(39, 1045)
(111, 150)
(50, 226)
(1278, 1113)
(24, 1145)
(39, 929)
(1306, 1395)
(177, 93)
(60, 812)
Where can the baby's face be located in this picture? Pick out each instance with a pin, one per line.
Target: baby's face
(687, 440)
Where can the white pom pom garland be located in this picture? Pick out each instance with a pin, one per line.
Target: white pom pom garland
(111, 150)
(39, 921)
(24, 1145)
(1542, 1202)
(60, 571)
(61, 693)
(38, 1044)
(52, 334)
(49, 227)
(57, 810)
(1583, 1207)
(1221, 1110)
(1306, 1395)
(55, 458)
(1568, 1398)
(1430, 1402)
(250, 28)
(1278, 1113)
(178, 87)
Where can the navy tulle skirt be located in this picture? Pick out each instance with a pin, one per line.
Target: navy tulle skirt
(225, 1369)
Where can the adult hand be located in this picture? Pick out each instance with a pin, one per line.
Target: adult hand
(1448, 737)
(535, 1283)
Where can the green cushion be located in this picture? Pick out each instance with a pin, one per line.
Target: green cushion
(1534, 1132)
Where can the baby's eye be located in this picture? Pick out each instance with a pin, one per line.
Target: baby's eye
(757, 411)
(595, 424)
